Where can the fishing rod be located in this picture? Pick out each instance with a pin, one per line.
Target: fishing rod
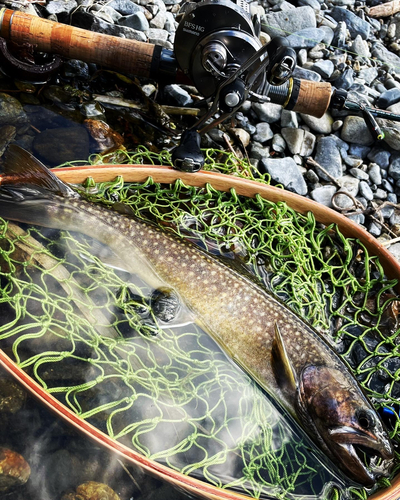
(216, 49)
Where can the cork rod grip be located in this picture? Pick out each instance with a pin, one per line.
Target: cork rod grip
(120, 54)
(313, 98)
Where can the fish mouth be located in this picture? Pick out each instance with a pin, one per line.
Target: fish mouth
(360, 452)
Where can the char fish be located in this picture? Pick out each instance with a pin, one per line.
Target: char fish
(275, 346)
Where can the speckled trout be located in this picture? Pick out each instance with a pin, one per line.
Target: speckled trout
(276, 347)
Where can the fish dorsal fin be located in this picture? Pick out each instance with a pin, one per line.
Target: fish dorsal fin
(282, 368)
(20, 167)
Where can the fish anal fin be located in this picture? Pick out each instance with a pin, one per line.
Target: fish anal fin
(21, 167)
(282, 368)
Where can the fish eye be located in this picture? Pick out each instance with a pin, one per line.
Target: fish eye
(365, 419)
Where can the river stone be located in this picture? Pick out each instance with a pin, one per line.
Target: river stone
(324, 195)
(159, 20)
(328, 156)
(306, 39)
(355, 130)
(380, 52)
(299, 141)
(349, 184)
(340, 35)
(136, 21)
(72, 144)
(109, 11)
(392, 137)
(125, 7)
(345, 80)
(359, 174)
(101, 26)
(388, 98)
(290, 21)
(306, 74)
(355, 24)
(61, 6)
(278, 143)
(324, 68)
(289, 119)
(267, 112)
(394, 167)
(321, 125)
(374, 173)
(11, 111)
(375, 229)
(379, 156)
(285, 171)
(263, 132)
(177, 95)
(365, 191)
(258, 151)
(368, 75)
(360, 47)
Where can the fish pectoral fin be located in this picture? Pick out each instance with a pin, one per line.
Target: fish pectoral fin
(282, 368)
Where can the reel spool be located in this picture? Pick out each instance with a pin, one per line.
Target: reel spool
(213, 40)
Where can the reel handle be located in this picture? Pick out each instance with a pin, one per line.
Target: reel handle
(120, 54)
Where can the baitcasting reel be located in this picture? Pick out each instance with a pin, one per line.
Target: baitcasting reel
(217, 47)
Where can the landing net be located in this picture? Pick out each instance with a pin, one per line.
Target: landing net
(87, 332)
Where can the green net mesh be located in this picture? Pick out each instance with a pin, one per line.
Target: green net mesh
(87, 332)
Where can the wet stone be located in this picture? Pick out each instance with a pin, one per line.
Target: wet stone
(289, 119)
(392, 137)
(374, 173)
(72, 144)
(11, 111)
(307, 38)
(379, 156)
(324, 68)
(285, 171)
(324, 195)
(307, 74)
(382, 53)
(359, 174)
(345, 80)
(278, 143)
(75, 68)
(61, 6)
(14, 470)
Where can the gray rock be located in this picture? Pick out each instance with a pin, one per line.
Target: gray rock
(358, 150)
(345, 80)
(379, 156)
(382, 53)
(159, 20)
(267, 112)
(380, 194)
(360, 47)
(263, 132)
(352, 161)
(136, 21)
(324, 68)
(306, 74)
(349, 185)
(278, 143)
(321, 125)
(311, 176)
(178, 95)
(366, 191)
(155, 35)
(387, 186)
(323, 195)
(242, 135)
(355, 24)
(395, 217)
(336, 125)
(375, 229)
(306, 38)
(329, 157)
(388, 98)
(357, 218)
(125, 7)
(285, 171)
(395, 250)
(258, 151)
(289, 119)
(392, 136)
(359, 174)
(340, 35)
(105, 10)
(394, 167)
(170, 23)
(388, 210)
(299, 141)
(374, 173)
(291, 21)
(61, 6)
(101, 26)
(368, 75)
(355, 131)
(11, 111)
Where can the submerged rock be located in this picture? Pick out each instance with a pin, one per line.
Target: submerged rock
(14, 470)
(60, 145)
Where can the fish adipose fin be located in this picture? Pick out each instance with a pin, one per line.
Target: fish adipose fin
(21, 167)
(282, 367)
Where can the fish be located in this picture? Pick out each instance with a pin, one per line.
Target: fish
(273, 344)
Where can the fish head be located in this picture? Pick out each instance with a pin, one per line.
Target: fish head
(343, 422)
